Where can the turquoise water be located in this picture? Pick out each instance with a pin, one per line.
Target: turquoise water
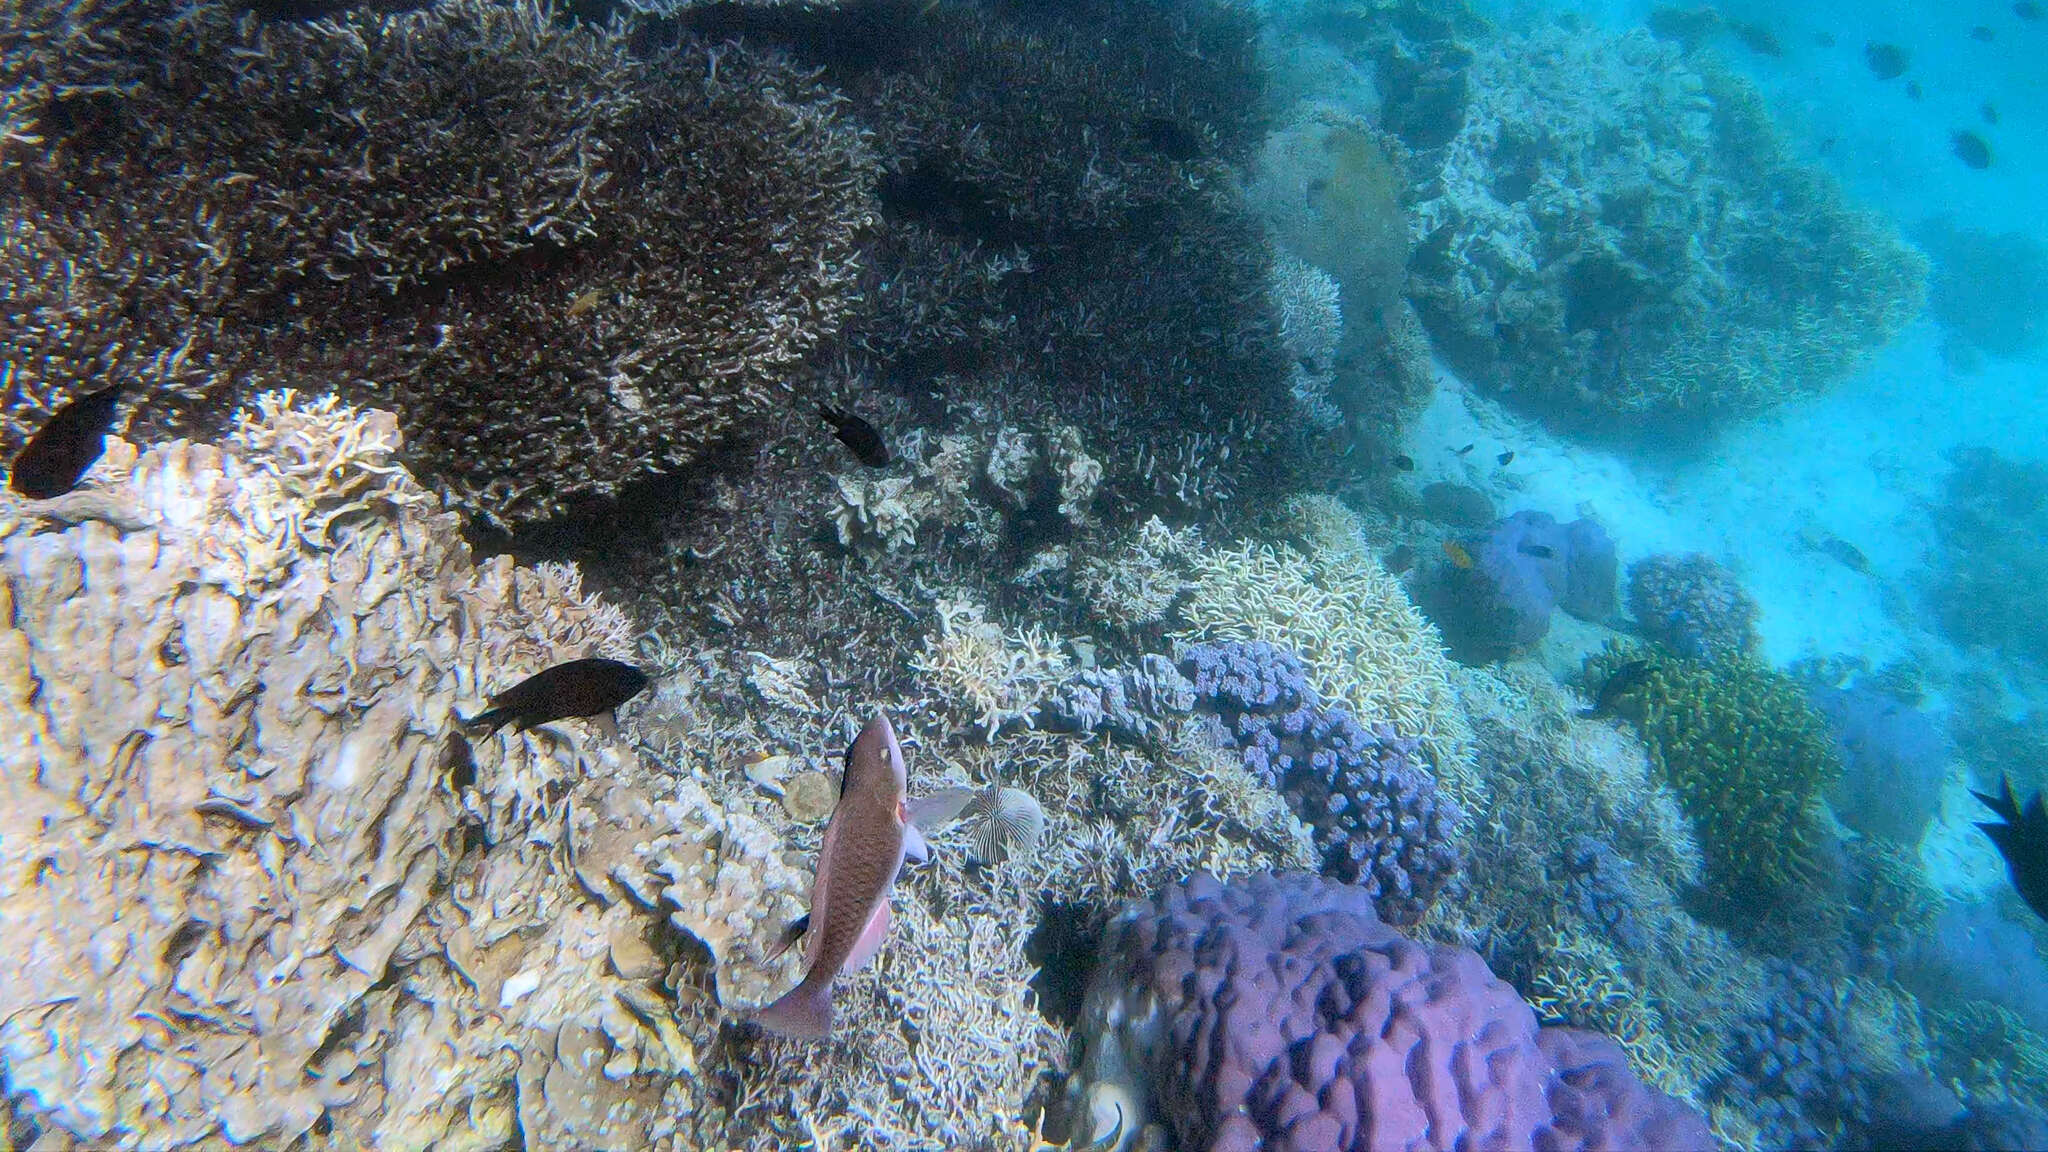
(1020, 574)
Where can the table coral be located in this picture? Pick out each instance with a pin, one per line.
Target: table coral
(237, 795)
(1278, 1012)
(1618, 235)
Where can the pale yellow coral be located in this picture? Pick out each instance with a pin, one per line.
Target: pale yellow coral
(1365, 644)
(999, 676)
(265, 890)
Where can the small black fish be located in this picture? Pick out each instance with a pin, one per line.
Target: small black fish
(2027, 10)
(587, 687)
(1756, 38)
(1983, 34)
(859, 436)
(1989, 112)
(1887, 61)
(1539, 551)
(1171, 138)
(2023, 840)
(1400, 559)
(1620, 682)
(1913, 90)
(1824, 39)
(1466, 450)
(1971, 149)
(1848, 554)
(1405, 463)
(1506, 458)
(63, 450)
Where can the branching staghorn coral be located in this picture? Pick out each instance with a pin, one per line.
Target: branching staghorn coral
(238, 791)
(564, 267)
(1748, 757)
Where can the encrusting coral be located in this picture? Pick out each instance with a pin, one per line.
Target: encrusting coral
(564, 266)
(1619, 234)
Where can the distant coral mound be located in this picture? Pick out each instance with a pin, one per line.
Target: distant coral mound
(1619, 236)
(1992, 522)
(262, 889)
(1277, 1011)
(564, 267)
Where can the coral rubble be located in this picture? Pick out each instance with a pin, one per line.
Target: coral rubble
(238, 794)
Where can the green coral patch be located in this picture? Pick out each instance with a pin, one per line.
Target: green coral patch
(1746, 754)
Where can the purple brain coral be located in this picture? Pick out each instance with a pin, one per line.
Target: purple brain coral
(1278, 1012)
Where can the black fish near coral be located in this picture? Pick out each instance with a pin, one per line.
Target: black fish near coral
(65, 449)
(2023, 840)
(859, 436)
(2027, 10)
(1620, 683)
(591, 686)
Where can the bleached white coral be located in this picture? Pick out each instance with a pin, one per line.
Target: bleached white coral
(261, 887)
(999, 676)
(1311, 323)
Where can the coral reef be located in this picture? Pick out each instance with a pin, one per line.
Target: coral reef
(1277, 1011)
(1364, 643)
(564, 267)
(1578, 852)
(1061, 236)
(1747, 756)
(1790, 1064)
(1375, 815)
(237, 790)
(1527, 566)
(1692, 605)
(1991, 521)
(1619, 236)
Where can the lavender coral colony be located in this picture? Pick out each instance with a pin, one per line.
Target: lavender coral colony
(1374, 808)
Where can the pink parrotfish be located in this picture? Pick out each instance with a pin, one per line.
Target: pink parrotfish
(873, 829)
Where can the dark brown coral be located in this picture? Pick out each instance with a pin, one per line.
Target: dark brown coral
(565, 266)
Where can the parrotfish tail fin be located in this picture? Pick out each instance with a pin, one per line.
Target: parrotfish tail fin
(915, 849)
(805, 1013)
